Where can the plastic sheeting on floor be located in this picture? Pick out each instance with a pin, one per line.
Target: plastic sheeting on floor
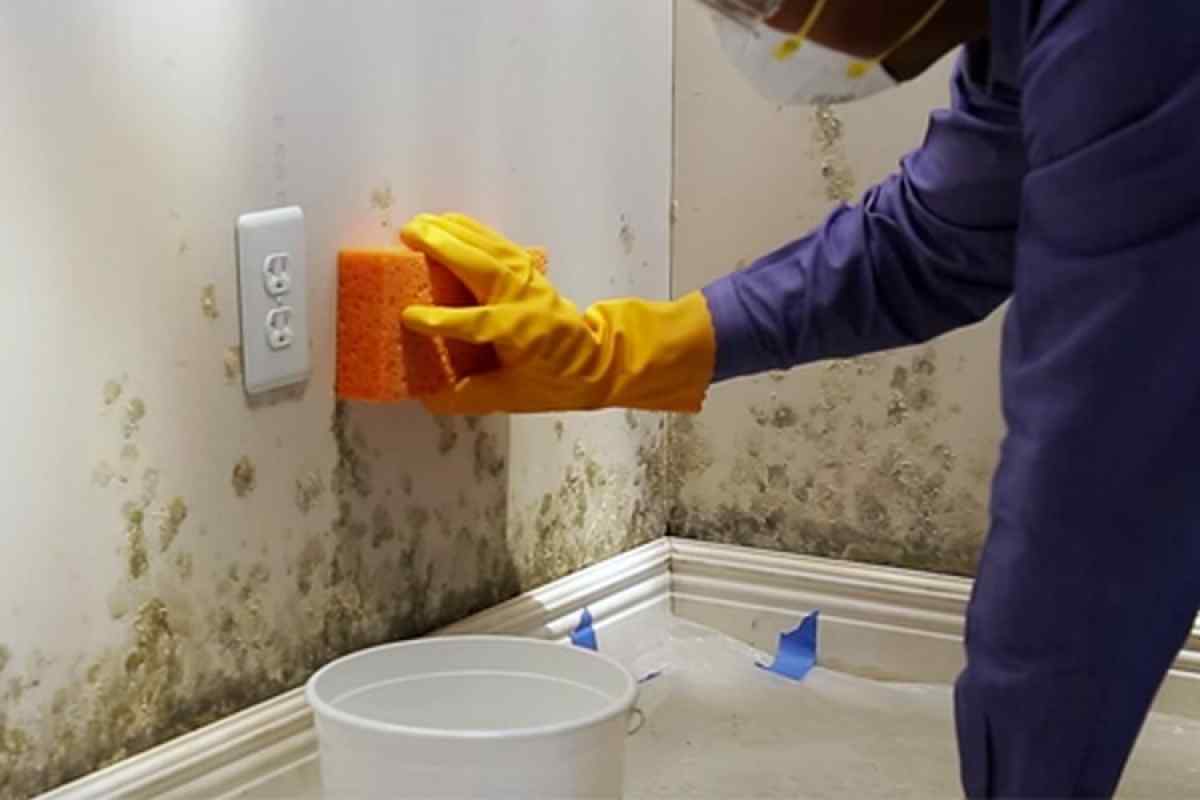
(717, 726)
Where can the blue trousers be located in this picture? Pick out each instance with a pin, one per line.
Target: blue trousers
(1067, 646)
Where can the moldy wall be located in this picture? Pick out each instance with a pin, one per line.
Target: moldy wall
(171, 552)
(885, 459)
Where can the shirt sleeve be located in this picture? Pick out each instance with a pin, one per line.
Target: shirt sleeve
(928, 250)
(1096, 504)
(1102, 346)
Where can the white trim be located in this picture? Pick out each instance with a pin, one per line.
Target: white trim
(912, 622)
(265, 741)
(909, 621)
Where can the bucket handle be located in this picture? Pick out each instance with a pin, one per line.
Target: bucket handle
(638, 718)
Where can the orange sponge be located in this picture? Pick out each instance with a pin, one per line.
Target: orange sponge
(378, 359)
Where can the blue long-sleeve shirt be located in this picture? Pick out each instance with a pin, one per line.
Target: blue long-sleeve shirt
(1065, 175)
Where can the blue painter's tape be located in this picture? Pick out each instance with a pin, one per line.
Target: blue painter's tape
(797, 650)
(583, 635)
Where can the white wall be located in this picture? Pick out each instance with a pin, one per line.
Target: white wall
(132, 134)
(886, 459)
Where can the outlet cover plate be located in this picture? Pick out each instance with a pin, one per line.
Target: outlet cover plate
(263, 236)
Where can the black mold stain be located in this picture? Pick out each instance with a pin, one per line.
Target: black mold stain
(352, 473)
(138, 561)
(489, 462)
(863, 496)
(447, 434)
(367, 576)
(383, 530)
(309, 490)
(173, 518)
(244, 477)
(595, 511)
(835, 168)
(135, 412)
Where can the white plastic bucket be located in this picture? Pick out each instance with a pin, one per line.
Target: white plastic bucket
(472, 716)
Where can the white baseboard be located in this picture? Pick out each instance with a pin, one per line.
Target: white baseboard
(878, 622)
(273, 738)
(875, 621)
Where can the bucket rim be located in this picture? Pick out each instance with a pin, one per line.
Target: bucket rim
(620, 706)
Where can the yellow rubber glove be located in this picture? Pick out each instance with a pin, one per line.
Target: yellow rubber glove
(655, 356)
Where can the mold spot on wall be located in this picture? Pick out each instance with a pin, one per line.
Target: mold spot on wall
(137, 558)
(836, 171)
(103, 474)
(352, 473)
(208, 302)
(311, 559)
(232, 360)
(627, 236)
(135, 412)
(309, 490)
(690, 453)
(5, 657)
(184, 566)
(130, 454)
(595, 511)
(112, 392)
(489, 462)
(382, 201)
(383, 530)
(858, 474)
(172, 520)
(777, 415)
(447, 434)
(559, 429)
(244, 477)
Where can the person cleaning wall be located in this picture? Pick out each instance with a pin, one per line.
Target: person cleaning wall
(1065, 176)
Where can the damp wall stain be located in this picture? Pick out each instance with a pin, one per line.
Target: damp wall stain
(858, 460)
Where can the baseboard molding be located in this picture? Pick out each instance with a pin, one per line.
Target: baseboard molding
(276, 737)
(876, 621)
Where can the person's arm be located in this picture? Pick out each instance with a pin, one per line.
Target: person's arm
(1101, 472)
(1090, 578)
(926, 251)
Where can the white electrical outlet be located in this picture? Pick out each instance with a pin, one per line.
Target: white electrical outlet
(272, 280)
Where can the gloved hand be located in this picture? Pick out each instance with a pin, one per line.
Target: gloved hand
(631, 353)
